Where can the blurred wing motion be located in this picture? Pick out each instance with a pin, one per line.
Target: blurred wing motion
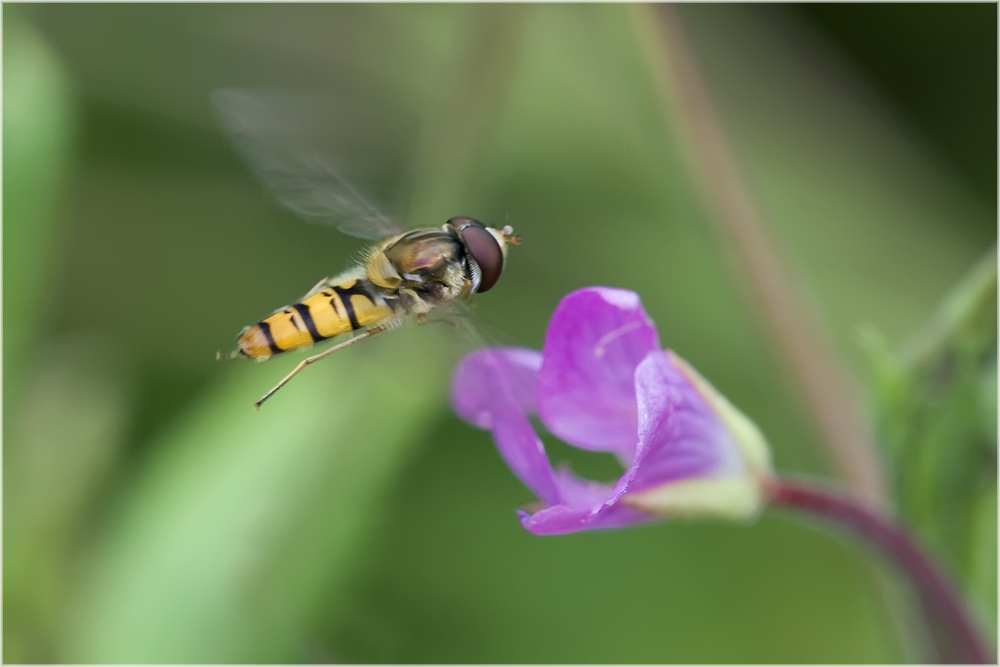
(308, 150)
(315, 155)
(475, 331)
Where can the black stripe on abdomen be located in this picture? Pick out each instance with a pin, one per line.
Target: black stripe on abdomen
(306, 316)
(265, 328)
(345, 298)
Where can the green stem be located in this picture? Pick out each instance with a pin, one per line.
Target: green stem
(962, 642)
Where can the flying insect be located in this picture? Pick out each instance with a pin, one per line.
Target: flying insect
(407, 274)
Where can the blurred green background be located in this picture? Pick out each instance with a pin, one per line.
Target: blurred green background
(150, 515)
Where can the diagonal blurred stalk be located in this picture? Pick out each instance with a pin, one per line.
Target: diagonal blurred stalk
(473, 87)
(829, 394)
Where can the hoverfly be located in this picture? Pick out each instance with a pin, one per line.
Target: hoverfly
(406, 274)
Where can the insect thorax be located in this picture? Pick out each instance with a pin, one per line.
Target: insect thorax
(426, 265)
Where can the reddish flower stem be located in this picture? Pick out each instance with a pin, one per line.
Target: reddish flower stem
(826, 389)
(960, 638)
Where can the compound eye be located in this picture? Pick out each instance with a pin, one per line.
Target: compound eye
(485, 251)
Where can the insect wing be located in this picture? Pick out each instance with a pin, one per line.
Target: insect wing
(309, 152)
(481, 336)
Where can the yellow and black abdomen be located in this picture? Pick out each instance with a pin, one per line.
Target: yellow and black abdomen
(336, 310)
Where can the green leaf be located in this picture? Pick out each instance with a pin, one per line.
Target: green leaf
(935, 403)
(59, 451)
(243, 521)
(37, 131)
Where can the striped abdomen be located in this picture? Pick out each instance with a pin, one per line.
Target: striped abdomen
(338, 309)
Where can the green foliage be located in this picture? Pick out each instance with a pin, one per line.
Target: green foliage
(936, 405)
(50, 477)
(151, 515)
(37, 125)
(243, 525)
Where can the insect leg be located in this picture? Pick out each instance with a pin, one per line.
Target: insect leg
(450, 321)
(361, 336)
(317, 288)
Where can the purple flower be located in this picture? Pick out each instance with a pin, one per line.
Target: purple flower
(602, 383)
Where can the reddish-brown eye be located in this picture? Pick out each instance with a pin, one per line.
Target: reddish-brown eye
(484, 250)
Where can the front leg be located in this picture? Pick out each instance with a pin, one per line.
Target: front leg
(452, 322)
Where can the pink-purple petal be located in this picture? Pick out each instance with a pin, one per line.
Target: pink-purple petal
(603, 383)
(583, 505)
(495, 389)
(561, 519)
(500, 376)
(595, 341)
(680, 436)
